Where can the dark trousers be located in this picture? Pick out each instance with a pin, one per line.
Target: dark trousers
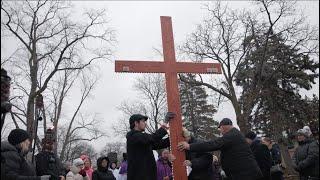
(277, 176)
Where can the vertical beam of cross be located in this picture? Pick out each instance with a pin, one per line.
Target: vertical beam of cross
(173, 96)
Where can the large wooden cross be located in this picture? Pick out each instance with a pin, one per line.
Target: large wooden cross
(171, 68)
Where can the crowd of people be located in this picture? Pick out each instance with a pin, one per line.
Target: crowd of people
(48, 166)
(242, 156)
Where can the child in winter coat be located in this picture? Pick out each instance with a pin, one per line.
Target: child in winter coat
(114, 170)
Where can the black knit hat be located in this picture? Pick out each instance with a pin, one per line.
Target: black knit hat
(224, 122)
(17, 136)
(251, 135)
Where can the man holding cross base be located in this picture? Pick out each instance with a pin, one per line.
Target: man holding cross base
(236, 157)
(141, 162)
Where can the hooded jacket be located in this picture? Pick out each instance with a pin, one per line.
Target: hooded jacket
(141, 162)
(102, 173)
(16, 167)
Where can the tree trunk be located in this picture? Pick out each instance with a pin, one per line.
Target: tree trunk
(31, 105)
(242, 118)
(33, 64)
(287, 160)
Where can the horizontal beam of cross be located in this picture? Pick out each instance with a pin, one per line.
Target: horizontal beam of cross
(161, 67)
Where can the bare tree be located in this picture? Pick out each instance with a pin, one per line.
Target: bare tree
(118, 147)
(152, 103)
(80, 123)
(57, 95)
(78, 148)
(50, 42)
(222, 35)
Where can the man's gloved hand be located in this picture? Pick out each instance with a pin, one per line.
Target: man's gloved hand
(169, 117)
(83, 173)
(223, 174)
(45, 177)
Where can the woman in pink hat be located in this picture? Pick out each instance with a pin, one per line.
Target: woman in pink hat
(87, 166)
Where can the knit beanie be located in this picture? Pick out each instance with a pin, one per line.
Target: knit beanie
(17, 136)
(251, 135)
(308, 130)
(303, 132)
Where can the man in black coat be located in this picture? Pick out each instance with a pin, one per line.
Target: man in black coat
(141, 162)
(237, 159)
(15, 150)
(261, 154)
(200, 162)
(47, 163)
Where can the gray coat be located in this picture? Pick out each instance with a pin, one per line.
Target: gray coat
(306, 157)
(16, 167)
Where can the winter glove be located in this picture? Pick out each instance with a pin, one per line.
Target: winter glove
(83, 173)
(169, 116)
(45, 177)
(223, 174)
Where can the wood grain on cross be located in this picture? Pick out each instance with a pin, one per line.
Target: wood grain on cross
(171, 68)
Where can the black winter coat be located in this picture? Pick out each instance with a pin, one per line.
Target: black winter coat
(47, 163)
(306, 159)
(201, 164)
(16, 167)
(102, 173)
(141, 162)
(237, 159)
(263, 158)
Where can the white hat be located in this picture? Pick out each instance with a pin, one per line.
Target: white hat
(78, 162)
(308, 130)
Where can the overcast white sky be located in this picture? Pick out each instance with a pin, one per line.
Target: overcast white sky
(137, 25)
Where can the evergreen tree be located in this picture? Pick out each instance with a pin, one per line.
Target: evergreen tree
(280, 71)
(197, 114)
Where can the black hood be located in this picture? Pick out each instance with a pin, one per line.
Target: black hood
(6, 146)
(99, 161)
